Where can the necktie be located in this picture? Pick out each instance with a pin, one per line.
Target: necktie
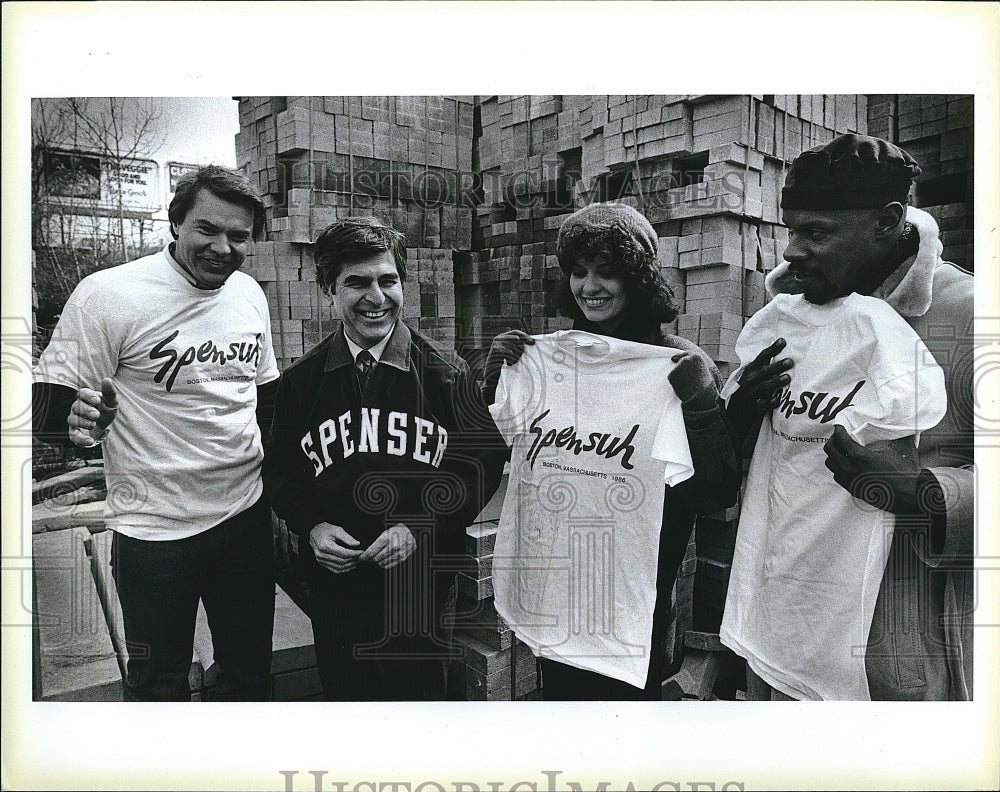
(363, 365)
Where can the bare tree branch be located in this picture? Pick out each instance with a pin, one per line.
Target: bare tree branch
(75, 236)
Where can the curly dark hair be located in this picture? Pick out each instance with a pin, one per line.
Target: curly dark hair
(649, 295)
(229, 185)
(353, 239)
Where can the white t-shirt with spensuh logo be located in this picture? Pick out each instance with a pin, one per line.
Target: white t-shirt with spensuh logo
(184, 452)
(596, 430)
(809, 557)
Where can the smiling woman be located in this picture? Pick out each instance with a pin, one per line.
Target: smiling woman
(612, 286)
(608, 254)
(599, 290)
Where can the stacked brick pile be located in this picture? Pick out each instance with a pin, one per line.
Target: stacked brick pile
(429, 292)
(937, 130)
(492, 665)
(407, 160)
(706, 170)
(510, 281)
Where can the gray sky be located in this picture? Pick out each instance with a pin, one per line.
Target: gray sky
(194, 130)
(199, 130)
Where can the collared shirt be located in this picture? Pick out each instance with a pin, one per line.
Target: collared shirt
(393, 350)
(375, 351)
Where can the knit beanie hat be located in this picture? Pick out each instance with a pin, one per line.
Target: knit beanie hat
(599, 218)
(850, 172)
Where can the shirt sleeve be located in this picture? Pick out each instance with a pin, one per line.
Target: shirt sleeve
(911, 395)
(507, 409)
(85, 344)
(670, 444)
(268, 368)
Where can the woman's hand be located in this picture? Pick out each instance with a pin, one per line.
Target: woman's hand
(506, 348)
(692, 381)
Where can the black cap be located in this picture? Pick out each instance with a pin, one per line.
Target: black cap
(850, 172)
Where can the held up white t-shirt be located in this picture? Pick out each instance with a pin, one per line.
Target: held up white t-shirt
(184, 452)
(809, 557)
(596, 430)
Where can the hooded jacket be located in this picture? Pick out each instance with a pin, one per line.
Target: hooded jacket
(920, 642)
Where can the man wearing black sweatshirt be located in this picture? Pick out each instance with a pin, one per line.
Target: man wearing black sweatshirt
(381, 452)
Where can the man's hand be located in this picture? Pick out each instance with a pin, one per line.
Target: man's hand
(762, 381)
(92, 413)
(334, 548)
(506, 348)
(760, 387)
(884, 474)
(692, 381)
(392, 547)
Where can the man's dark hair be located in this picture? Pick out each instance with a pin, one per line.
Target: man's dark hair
(351, 240)
(229, 185)
(649, 295)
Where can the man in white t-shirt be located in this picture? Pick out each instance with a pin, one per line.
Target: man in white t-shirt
(165, 360)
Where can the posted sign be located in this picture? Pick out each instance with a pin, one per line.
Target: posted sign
(174, 171)
(88, 180)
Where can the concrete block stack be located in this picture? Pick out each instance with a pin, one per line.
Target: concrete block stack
(706, 170)
(937, 129)
(482, 673)
(682, 606)
(429, 293)
(527, 149)
(684, 159)
(715, 538)
(407, 160)
(491, 663)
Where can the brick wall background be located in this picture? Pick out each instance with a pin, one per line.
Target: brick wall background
(937, 130)
(480, 185)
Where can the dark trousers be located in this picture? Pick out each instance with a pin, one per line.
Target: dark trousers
(230, 569)
(759, 690)
(381, 639)
(562, 682)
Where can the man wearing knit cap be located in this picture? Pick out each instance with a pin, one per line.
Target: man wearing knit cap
(851, 230)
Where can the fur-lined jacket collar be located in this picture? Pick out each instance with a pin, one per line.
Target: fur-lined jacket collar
(912, 296)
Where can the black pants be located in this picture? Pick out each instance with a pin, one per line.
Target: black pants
(230, 569)
(562, 682)
(381, 637)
